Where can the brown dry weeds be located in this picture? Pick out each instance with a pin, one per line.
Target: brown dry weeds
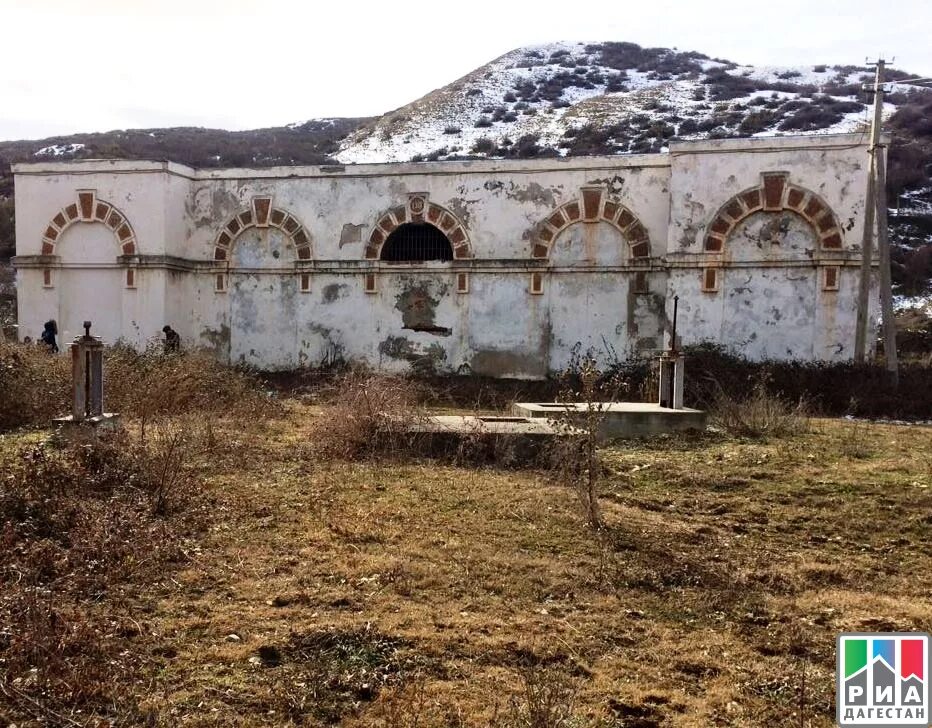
(420, 594)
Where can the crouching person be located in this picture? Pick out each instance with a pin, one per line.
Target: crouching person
(172, 341)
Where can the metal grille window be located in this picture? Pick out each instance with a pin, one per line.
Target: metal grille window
(416, 242)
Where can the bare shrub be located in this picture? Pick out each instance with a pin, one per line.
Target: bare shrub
(372, 415)
(546, 700)
(759, 414)
(856, 442)
(150, 384)
(79, 526)
(405, 707)
(166, 461)
(34, 385)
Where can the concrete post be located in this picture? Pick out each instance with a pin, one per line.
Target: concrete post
(87, 386)
(78, 379)
(679, 375)
(663, 391)
(87, 380)
(672, 367)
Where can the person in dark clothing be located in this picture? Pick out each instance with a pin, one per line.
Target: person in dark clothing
(48, 336)
(172, 341)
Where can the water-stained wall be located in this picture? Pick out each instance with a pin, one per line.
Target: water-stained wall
(281, 268)
(780, 224)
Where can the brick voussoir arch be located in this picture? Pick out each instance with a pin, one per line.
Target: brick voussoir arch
(774, 194)
(89, 208)
(419, 210)
(262, 214)
(595, 205)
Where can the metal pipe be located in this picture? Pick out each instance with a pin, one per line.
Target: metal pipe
(672, 364)
(676, 301)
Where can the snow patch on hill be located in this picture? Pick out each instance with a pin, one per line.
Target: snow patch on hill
(531, 102)
(58, 150)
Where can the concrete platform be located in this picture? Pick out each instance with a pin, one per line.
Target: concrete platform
(617, 419)
(499, 425)
(88, 429)
(500, 439)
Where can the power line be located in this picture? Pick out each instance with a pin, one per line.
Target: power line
(905, 81)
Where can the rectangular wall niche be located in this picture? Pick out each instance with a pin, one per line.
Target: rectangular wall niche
(130, 278)
(710, 280)
(370, 283)
(640, 282)
(305, 282)
(220, 283)
(47, 277)
(462, 283)
(830, 278)
(537, 284)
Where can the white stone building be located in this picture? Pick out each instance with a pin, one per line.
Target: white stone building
(500, 268)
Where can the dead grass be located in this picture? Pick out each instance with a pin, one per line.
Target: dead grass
(725, 573)
(145, 385)
(370, 416)
(85, 529)
(399, 592)
(760, 414)
(81, 524)
(33, 384)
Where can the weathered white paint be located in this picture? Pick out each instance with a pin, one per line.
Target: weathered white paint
(770, 300)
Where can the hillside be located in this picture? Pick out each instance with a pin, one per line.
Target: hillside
(311, 142)
(575, 98)
(565, 99)
(615, 98)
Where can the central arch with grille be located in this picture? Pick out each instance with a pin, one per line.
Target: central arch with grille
(416, 242)
(423, 217)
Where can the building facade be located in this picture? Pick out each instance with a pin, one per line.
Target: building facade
(498, 268)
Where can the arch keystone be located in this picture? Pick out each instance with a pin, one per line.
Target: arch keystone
(774, 182)
(261, 209)
(86, 200)
(592, 202)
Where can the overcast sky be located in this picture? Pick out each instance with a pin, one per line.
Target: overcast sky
(95, 65)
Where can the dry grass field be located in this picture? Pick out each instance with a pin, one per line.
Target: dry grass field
(315, 590)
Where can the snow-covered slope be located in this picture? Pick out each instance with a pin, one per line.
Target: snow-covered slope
(585, 98)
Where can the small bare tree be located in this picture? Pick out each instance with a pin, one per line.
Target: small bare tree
(585, 393)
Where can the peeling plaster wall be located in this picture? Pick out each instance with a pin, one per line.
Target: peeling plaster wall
(770, 302)
(246, 303)
(498, 208)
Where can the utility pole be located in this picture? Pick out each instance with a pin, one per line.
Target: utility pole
(886, 282)
(876, 207)
(867, 255)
